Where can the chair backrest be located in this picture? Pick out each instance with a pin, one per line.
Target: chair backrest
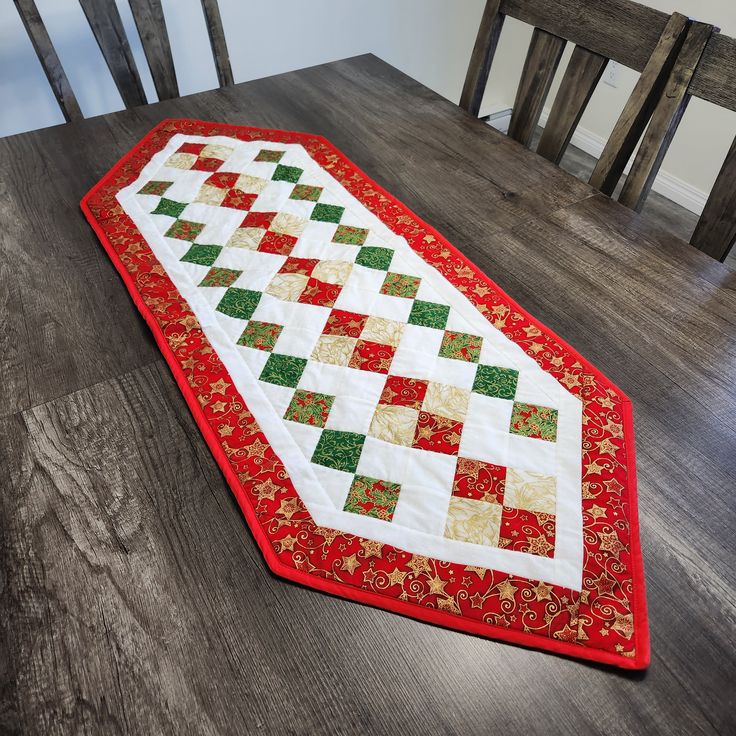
(711, 77)
(641, 38)
(107, 26)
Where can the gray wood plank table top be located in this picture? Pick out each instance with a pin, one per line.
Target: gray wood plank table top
(133, 598)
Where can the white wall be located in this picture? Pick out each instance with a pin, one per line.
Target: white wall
(428, 39)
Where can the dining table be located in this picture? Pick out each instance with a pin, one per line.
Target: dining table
(133, 598)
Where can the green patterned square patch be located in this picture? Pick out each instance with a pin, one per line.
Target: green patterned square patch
(283, 370)
(498, 383)
(309, 407)
(202, 255)
(155, 187)
(306, 191)
(287, 173)
(239, 303)
(338, 450)
(350, 235)
(537, 422)
(260, 335)
(269, 156)
(168, 207)
(429, 314)
(399, 284)
(327, 212)
(184, 230)
(461, 346)
(372, 497)
(372, 256)
(220, 277)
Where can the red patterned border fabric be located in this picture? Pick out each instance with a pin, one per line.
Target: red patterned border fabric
(605, 622)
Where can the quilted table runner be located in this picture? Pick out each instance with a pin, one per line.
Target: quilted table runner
(395, 428)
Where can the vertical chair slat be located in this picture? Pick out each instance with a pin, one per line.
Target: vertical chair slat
(107, 26)
(218, 42)
(482, 57)
(578, 84)
(639, 107)
(716, 230)
(540, 65)
(49, 59)
(151, 25)
(665, 119)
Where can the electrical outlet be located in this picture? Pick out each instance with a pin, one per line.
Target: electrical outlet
(610, 75)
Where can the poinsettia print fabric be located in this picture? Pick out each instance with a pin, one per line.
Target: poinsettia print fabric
(395, 428)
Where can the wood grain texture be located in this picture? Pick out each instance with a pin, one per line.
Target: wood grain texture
(134, 599)
(50, 63)
(576, 88)
(481, 58)
(639, 106)
(715, 233)
(216, 33)
(715, 78)
(107, 26)
(542, 58)
(151, 25)
(665, 119)
(621, 30)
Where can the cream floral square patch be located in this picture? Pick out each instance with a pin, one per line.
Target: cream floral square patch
(211, 195)
(334, 349)
(246, 237)
(181, 160)
(251, 184)
(476, 522)
(287, 286)
(213, 150)
(394, 424)
(446, 401)
(383, 331)
(288, 224)
(531, 491)
(333, 272)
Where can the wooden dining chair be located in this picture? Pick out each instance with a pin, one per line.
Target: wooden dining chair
(711, 78)
(641, 38)
(107, 26)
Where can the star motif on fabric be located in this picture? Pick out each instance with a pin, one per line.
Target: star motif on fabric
(570, 380)
(479, 571)
(604, 584)
(371, 548)
(189, 364)
(287, 542)
(218, 406)
(613, 486)
(606, 447)
(288, 508)
(396, 576)
(219, 386)
(605, 402)
(437, 585)
(257, 449)
(594, 468)
(419, 564)
(543, 591)
(506, 590)
(566, 633)
(476, 600)
(350, 563)
(596, 511)
(225, 430)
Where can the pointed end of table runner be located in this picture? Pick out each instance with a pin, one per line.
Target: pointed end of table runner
(396, 429)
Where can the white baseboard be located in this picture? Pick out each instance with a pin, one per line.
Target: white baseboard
(675, 189)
